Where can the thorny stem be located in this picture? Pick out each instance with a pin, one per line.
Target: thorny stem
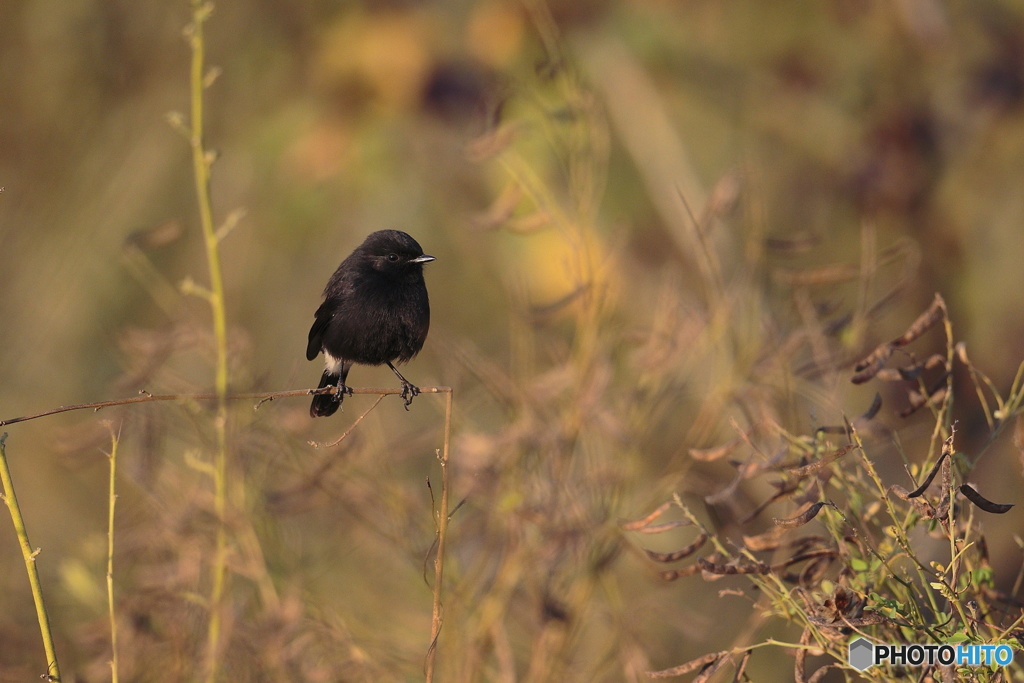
(441, 518)
(110, 557)
(201, 166)
(52, 668)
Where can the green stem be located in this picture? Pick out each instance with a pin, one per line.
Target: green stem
(110, 559)
(52, 668)
(201, 166)
(437, 618)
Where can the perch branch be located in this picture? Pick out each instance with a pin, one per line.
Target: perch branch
(262, 396)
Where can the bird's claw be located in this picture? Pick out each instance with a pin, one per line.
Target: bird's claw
(409, 392)
(340, 392)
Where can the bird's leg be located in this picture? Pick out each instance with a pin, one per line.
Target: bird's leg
(341, 390)
(409, 390)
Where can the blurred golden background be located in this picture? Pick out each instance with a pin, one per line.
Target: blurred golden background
(651, 218)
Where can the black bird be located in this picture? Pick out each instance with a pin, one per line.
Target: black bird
(375, 312)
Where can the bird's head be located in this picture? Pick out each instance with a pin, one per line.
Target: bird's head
(393, 252)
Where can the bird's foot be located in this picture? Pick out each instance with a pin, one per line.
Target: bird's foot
(340, 392)
(409, 392)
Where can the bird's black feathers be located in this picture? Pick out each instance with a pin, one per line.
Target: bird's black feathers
(375, 311)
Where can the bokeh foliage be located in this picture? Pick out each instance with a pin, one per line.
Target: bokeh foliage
(656, 224)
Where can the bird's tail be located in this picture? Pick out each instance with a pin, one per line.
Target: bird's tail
(324, 405)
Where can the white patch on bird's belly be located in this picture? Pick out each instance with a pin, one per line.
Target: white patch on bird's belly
(332, 364)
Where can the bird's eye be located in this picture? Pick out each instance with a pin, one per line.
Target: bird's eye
(392, 258)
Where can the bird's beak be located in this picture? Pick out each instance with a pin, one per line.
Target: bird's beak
(423, 259)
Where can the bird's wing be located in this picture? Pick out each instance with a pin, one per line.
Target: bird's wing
(324, 315)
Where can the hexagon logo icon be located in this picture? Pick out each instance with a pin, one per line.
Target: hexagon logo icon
(862, 654)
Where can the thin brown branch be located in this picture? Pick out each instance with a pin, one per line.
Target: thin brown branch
(262, 396)
(317, 444)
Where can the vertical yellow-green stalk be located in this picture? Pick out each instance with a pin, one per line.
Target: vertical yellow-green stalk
(52, 668)
(110, 558)
(201, 166)
(442, 513)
